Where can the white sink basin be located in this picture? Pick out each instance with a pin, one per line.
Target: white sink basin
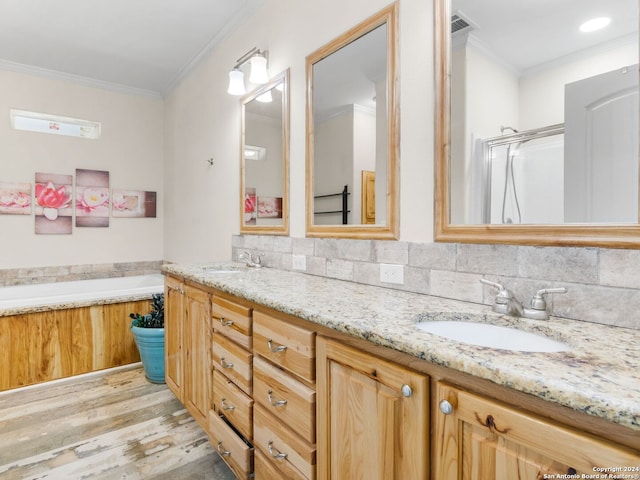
(492, 336)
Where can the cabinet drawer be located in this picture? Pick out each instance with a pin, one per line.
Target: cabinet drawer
(286, 345)
(233, 403)
(292, 455)
(231, 447)
(233, 361)
(264, 469)
(292, 402)
(232, 320)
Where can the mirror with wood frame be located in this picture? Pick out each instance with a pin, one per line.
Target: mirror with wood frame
(264, 159)
(536, 141)
(352, 132)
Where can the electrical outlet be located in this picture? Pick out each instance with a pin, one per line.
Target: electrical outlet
(390, 273)
(299, 262)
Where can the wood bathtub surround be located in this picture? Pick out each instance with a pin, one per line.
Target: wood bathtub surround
(42, 346)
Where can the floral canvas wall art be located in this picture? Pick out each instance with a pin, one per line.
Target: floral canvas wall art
(133, 203)
(269, 207)
(92, 198)
(250, 206)
(15, 198)
(53, 198)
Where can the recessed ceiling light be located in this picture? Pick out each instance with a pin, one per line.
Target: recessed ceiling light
(595, 24)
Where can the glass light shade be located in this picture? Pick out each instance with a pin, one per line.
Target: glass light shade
(258, 70)
(236, 82)
(265, 97)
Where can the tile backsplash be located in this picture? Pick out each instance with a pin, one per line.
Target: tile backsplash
(64, 273)
(603, 284)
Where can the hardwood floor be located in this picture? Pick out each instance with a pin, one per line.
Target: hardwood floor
(112, 425)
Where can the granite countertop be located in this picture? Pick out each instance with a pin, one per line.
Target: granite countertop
(599, 375)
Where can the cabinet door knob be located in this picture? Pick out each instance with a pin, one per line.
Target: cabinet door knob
(446, 407)
(275, 453)
(222, 451)
(279, 348)
(406, 390)
(275, 403)
(224, 364)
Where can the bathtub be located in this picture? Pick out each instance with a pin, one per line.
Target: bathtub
(79, 292)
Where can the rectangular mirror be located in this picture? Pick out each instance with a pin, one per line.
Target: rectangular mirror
(537, 123)
(264, 173)
(352, 133)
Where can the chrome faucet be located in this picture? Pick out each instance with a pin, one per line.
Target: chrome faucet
(506, 302)
(249, 261)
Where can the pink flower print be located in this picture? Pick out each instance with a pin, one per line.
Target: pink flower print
(21, 199)
(49, 197)
(249, 203)
(91, 199)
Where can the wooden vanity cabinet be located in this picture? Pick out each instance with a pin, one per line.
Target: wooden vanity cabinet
(173, 324)
(373, 416)
(285, 398)
(481, 438)
(368, 415)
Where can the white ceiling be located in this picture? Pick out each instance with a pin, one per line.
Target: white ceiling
(143, 45)
(528, 34)
(149, 45)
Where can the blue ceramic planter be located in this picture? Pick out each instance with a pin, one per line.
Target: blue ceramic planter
(150, 343)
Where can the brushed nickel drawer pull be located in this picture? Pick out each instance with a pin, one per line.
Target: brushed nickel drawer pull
(225, 365)
(279, 348)
(225, 323)
(225, 406)
(275, 403)
(275, 453)
(222, 451)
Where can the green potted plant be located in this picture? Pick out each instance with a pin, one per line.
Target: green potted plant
(148, 333)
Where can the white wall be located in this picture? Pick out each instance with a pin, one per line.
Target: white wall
(542, 91)
(203, 121)
(130, 148)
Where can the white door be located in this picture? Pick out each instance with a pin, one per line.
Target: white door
(601, 148)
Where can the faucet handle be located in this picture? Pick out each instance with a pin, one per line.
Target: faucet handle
(503, 295)
(538, 302)
(492, 284)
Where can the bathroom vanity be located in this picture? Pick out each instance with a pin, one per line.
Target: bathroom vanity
(296, 376)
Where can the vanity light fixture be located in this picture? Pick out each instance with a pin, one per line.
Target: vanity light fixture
(54, 124)
(595, 24)
(258, 75)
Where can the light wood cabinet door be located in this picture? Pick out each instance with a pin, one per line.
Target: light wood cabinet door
(484, 439)
(173, 320)
(197, 357)
(372, 417)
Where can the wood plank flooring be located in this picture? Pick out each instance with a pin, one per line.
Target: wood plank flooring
(107, 426)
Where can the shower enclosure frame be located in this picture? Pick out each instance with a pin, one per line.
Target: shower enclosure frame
(506, 140)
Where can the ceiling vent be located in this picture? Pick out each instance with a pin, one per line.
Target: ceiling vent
(460, 24)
